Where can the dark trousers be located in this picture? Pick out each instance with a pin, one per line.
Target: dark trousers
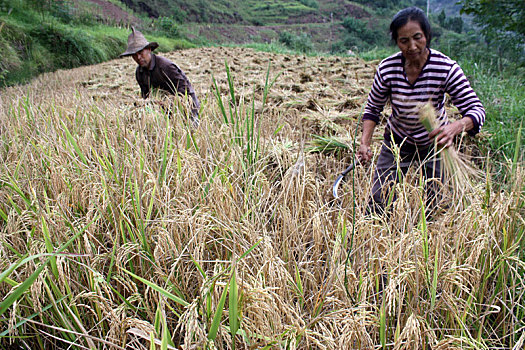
(387, 173)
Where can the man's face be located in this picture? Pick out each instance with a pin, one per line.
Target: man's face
(143, 57)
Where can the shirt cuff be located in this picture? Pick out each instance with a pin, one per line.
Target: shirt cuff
(370, 116)
(475, 128)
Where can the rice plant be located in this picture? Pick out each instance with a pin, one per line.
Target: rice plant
(121, 227)
(459, 174)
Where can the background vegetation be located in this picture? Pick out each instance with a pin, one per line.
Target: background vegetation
(43, 36)
(120, 226)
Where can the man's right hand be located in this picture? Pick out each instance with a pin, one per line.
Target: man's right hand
(364, 154)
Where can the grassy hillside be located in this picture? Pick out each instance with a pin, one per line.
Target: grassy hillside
(37, 37)
(241, 22)
(120, 224)
(252, 12)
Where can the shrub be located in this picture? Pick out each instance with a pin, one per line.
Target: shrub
(167, 26)
(301, 42)
(10, 59)
(359, 34)
(454, 23)
(355, 25)
(310, 3)
(62, 10)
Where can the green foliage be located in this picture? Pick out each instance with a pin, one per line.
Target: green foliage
(62, 10)
(76, 47)
(441, 18)
(497, 16)
(167, 26)
(274, 46)
(472, 46)
(362, 36)
(354, 25)
(502, 26)
(170, 44)
(310, 3)
(455, 24)
(378, 53)
(301, 43)
(10, 60)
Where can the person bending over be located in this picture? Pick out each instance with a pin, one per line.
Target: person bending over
(158, 72)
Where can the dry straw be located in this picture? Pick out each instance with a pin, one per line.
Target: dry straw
(123, 227)
(459, 174)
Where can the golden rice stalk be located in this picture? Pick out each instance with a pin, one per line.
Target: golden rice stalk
(460, 174)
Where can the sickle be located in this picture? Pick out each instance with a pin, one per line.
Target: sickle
(341, 178)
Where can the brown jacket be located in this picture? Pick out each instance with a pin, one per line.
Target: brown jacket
(164, 74)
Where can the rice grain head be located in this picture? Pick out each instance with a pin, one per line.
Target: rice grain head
(460, 175)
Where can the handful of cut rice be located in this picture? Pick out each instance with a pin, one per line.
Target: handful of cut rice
(459, 173)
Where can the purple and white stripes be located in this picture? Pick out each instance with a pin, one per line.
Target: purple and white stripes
(440, 75)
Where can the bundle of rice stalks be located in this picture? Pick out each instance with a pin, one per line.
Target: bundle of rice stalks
(459, 173)
(328, 144)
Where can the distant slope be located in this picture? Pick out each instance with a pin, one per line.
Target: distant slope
(253, 12)
(108, 11)
(241, 22)
(450, 7)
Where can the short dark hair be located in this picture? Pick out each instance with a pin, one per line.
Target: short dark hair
(410, 14)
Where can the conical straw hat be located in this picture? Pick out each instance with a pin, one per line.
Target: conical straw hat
(137, 42)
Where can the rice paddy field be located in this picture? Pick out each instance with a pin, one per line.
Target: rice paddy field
(122, 226)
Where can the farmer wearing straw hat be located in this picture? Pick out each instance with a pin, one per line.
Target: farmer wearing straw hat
(158, 72)
(409, 78)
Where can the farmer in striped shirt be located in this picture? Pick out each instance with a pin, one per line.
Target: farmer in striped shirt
(410, 78)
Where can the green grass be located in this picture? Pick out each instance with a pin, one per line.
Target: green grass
(34, 41)
(502, 95)
(378, 53)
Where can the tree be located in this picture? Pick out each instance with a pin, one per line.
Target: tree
(362, 34)
(502, 25)
(455, 24)
(441, 18)
(502, 15)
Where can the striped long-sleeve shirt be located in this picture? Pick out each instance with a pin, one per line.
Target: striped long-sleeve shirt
(439, 75)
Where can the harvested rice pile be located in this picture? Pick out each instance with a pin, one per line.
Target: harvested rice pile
(312, 94)
(139, 228)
